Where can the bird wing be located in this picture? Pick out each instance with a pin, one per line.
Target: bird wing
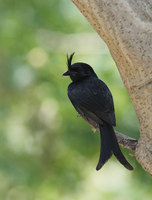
(94, 100)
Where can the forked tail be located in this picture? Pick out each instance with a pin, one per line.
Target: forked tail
(109, 146)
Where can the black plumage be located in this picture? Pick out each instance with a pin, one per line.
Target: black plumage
(93, 101)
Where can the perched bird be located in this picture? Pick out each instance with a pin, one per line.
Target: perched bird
(93, 101)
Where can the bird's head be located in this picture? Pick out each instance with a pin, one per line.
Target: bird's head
(78, 71)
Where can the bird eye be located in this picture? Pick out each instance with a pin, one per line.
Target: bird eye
(78, 69)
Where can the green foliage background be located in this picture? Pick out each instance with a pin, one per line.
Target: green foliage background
(46, 151)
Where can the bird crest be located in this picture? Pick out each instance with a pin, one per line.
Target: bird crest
(69, 60)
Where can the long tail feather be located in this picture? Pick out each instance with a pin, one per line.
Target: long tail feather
(109, 146)
(105, 147)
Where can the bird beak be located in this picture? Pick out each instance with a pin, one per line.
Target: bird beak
(66, 73)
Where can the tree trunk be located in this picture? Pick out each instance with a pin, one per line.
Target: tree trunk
(126, 27)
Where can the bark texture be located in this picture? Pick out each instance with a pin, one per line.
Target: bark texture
(126, 27)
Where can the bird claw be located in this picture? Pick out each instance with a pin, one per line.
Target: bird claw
(93, 129)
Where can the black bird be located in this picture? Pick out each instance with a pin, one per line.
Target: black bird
(93, 101)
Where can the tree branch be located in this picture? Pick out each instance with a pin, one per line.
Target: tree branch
(126, 141)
